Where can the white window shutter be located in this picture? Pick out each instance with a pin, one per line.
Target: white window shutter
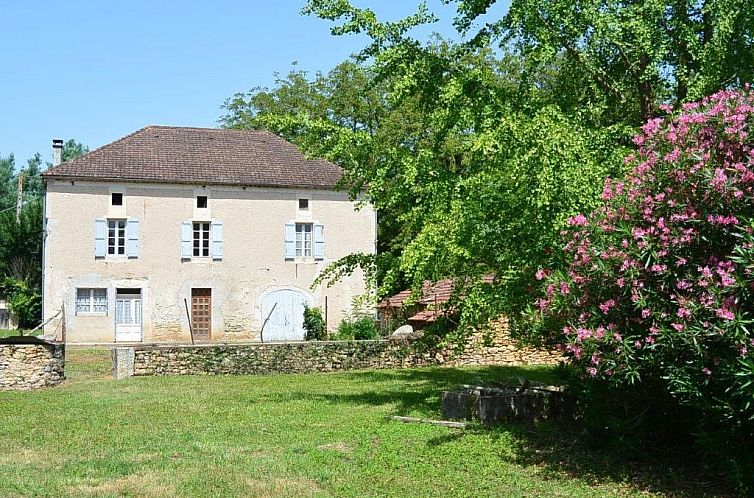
(217, 240)
(132, 229)
(187, 230)
(290, 240)
(100, 237)
(319, 241)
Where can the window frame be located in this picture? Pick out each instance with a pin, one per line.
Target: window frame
(206, 201)
(117, 238)
(91, 302)
(204, 243)
(112, 199)
(301, 252)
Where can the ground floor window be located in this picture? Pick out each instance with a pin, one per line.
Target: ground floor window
(91, 300)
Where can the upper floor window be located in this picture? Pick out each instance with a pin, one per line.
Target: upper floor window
(303, 204)
(201, 239)
(303, 240)
(201, 201)
(116, 237)
(116, 198)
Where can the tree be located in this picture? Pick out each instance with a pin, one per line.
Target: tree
(21, 262)
(7, 182)
(632, 56)
(73, 149)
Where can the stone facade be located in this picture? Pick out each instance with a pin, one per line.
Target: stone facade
(25, 367)
(322, 356)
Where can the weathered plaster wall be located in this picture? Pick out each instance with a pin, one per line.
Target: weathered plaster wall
(31, 366)
(253, 261)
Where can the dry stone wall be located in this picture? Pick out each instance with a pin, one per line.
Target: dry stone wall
(321, 356)
(24, 367)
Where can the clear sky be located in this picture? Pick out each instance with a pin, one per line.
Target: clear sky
(97, 70)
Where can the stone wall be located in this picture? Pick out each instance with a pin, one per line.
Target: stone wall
(496, 347)
(31, 366)
(321, 356)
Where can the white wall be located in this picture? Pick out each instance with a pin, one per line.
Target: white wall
(253, 261)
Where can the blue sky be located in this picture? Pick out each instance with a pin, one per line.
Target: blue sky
(95, 71)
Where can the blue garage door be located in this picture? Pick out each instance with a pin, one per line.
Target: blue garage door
(283, 315)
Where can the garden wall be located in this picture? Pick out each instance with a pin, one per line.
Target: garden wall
(31, 366)
(320, 356)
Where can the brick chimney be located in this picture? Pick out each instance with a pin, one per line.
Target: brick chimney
(57, 151)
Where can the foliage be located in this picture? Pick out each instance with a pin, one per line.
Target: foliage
(629, 57)
(314, 324)
(73, 149)
(24, 301)
(658, 285)
(359, 328)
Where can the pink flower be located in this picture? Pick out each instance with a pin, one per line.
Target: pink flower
(592, 371)
(541, 274)
(617, 337)
(607, 305)
(683, 313)
(706, 371)
(677, 326)
(646, 313)
(725, 314)
(578, 220)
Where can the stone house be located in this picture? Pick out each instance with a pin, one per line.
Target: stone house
(179, 235)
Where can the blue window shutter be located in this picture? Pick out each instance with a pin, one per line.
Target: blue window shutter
(217, 240)
(290, 240)
(319, 241)
(132, 230)
(100, 241)
(187, 230)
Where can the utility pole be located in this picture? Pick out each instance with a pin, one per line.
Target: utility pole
(20, 197)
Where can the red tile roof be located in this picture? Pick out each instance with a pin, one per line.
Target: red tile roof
(432, 293)
(201, 156)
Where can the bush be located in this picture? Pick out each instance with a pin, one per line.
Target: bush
(360, 329)
(24, 302)
(659, 282)
(314, 324)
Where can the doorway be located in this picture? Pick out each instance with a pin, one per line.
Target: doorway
(201, 314)
(128, 316)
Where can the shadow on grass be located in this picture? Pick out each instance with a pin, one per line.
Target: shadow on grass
(555, 450)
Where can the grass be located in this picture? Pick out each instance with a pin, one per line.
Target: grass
(12, 333)
(289, 435)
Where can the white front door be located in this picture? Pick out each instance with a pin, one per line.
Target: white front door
(128, 317)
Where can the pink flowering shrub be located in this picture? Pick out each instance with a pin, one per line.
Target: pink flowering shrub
(658, 282)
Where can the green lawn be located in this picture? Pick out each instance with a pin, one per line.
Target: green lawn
(287, 435)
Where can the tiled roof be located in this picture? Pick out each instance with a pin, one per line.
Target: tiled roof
(432, 293)
(201, 156)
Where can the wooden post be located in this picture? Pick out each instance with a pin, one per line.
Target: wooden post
(261, 332)
(19, 196)
(188, 315)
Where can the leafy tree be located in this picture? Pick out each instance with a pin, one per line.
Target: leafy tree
(7, 182)
(73, 149)
(631, 56)
(21, 262)
(33, 185)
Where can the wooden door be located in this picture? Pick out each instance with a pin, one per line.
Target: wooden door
(283, 315)
(201, 313)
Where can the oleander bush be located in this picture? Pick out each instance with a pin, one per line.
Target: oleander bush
(657, 284)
